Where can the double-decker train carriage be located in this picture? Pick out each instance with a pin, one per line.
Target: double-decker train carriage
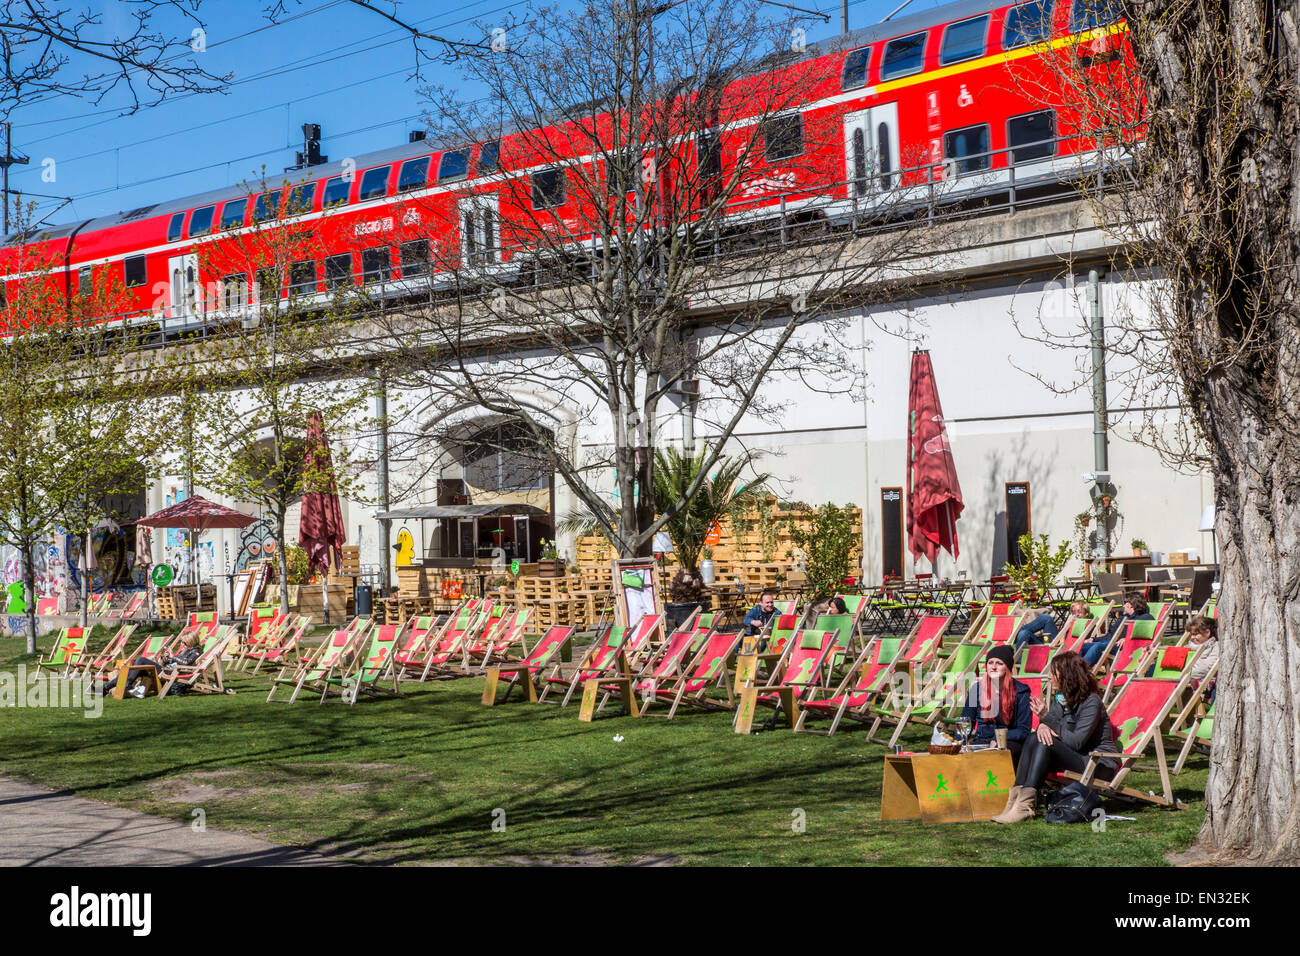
(957, 101)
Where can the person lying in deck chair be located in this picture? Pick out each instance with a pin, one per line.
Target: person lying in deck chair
(1042, 628)
(191, 651)
(1135, 609)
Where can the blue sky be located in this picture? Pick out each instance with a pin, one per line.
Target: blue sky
(327, 62)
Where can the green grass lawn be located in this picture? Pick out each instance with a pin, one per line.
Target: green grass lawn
(423, 779)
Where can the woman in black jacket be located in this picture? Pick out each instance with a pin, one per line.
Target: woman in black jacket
(1074, 725)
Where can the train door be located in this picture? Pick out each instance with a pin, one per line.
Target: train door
(480, 230)
(184, 271)
(871, 154)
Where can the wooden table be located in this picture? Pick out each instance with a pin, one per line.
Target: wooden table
(148, 673)
(946, 788)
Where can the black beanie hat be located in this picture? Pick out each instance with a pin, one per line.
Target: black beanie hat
(1004, 653)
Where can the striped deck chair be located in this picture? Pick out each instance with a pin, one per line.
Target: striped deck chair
(1125, 653)
(707, 670)
(130, 609)
(67, 651)
(98, 664)
(844, 626)
(922, 643)
(205, 674)
(1038, 686)
(802, 668)
(153, 647)
(100, 604)
(369, 668)
(944, 690)
(420, 638)
(999, 629)
(600, 661)
(1034, 659)
(1195, 724)
(528, 669)
(47, 605)
(511, 637)
(264, 631)
(1136, 716)
(277, 653)
(446, 660)
(868, 676)
(478, 646)
(330, 658)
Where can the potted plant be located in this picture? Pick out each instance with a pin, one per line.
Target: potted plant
(827, 542)
(550, 565)
(1040, 568)
(706, 567)
(1139, 547)
(717, 495)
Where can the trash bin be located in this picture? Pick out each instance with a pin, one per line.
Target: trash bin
(365, 601)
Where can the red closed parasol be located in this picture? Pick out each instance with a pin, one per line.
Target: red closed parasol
(933, 493)
(321, 530)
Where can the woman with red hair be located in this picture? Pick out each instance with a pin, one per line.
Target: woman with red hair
(997, 702)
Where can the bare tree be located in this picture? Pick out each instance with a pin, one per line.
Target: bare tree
(651, 228)
(1191, 108)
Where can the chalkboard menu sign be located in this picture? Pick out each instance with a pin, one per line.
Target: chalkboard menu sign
(891, 531)
(1017, 519)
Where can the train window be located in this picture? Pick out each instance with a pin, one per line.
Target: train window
(201, 221)
(302, 199)
(175, 226)
(489, 157)
(133, 271)
(85, 282)
(414, 175)
(903, 56)
(302, 277)
(374, 183)
(859, 162)
(415, 258)
(783, 137)
(854, 74)
(882, 144)
(336, 192)
(549, 188)
(232, 213)
(1030, 136)
(376, 264)
(338, 270)
(268, 284)
(234, 291)
(268, 204)
(453, 165)
(620, 172)
(709, 148)
(1027, 23)
(964, 40)
(969, 146)
(1090, 14)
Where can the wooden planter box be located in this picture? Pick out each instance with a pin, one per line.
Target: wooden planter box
(550, 568)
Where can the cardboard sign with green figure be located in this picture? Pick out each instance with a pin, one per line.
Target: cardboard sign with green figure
(16, 603)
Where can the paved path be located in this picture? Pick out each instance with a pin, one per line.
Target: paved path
(40, 827)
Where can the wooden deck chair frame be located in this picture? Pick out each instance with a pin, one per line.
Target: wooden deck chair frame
(782, 696)
(205, 674)
(529, 669)
(334, 653)
(368, 668)
(663, 662)
(1151, 737)
(936, 683)
(849, 687)
(697, 678)
(66, 651)
(600, 660)
(291, 641)
(96, 666)
(1187, 724)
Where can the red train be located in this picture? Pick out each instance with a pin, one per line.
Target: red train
(958, 94)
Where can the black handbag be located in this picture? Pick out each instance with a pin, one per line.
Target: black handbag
(1073, 803)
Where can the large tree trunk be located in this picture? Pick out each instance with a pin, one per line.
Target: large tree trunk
(29, 589)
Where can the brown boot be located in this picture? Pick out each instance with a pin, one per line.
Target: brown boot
(1020, 807)
(1012, 796)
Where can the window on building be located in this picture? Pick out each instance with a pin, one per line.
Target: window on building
(903, 56)
(969, 146)
(336, 192)
(1027, 23)
(201, 221)
(338, 270)
(854, 74)
(133, 271)
(504, 458)
(414, 175)
(232, 214)
(964, 40)
(783, 137)
(376, 264)
(549, 188)
(415, 258)
(454, 165)
(1031, 136)
(374, 183)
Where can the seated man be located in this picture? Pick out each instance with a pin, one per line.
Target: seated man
(761, 614)
(1135, 609)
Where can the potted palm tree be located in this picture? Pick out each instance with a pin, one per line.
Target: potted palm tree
(717, 494)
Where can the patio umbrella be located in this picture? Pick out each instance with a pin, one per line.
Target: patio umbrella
(933, 494)
(321, 532)
(196, 514)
